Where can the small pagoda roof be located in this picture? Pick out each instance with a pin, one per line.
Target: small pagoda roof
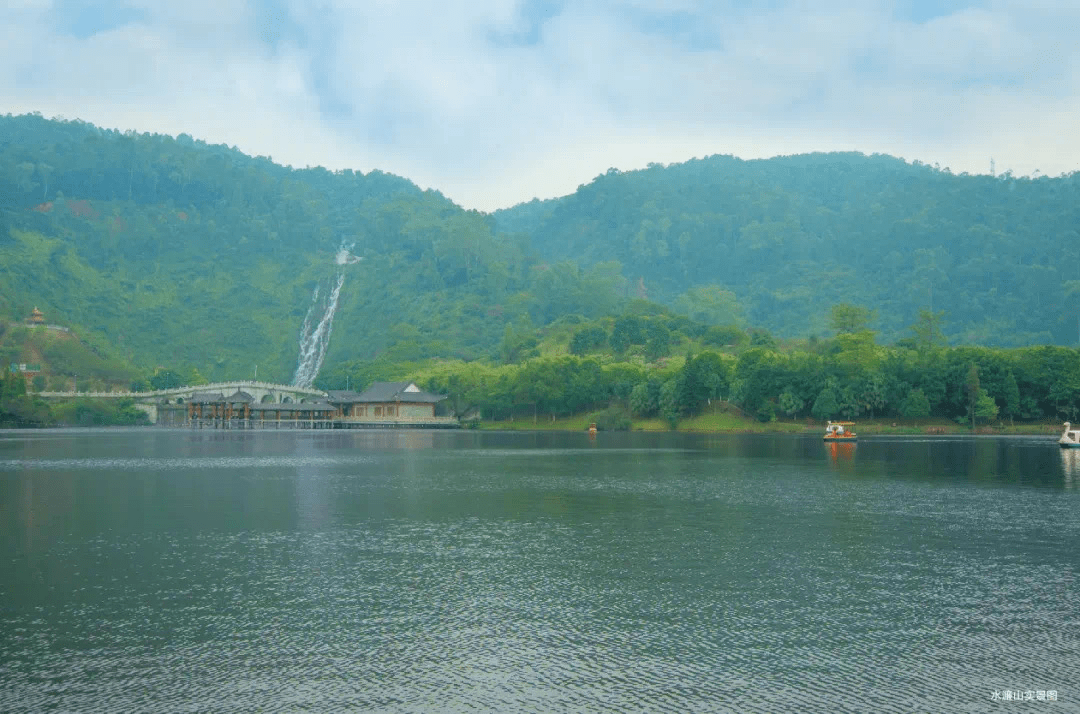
(207, 398)
(240, 397)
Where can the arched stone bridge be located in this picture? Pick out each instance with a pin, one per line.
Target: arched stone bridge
(263, 392)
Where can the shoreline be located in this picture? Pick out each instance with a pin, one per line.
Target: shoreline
(705, 425)
(697, 425)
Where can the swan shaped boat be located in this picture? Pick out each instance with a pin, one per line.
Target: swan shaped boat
(1070, 438)
(842, 431)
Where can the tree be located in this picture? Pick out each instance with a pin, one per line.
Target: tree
(658, 343)
(16, 407)
(669, 402)
(628, 330)
(12, 387)
(1011, 397)
(827, 404)
(710, 305)
(985, 406)
(928, 336)
(972, 389)
(621, 378)
(850, 318)
(614, 418)
(763, 338)
(790, 403)
(1072, 289)
(519, 342)
(855, 354)
(702, 379)
(915, 405)
(757, 373)
(724, 336)
(166, 379)
(589, 339)
(643, 401)
(871, 392)
(1063, 394)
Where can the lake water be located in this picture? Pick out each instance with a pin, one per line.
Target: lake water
(408, 571)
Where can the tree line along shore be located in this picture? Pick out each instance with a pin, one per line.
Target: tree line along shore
(627, 372)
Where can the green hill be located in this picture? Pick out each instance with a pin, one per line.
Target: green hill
(169, 252)
(789, 237)
(179, 253)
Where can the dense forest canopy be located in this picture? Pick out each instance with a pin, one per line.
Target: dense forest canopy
(791, 236)
(176, 252)
(169, 252)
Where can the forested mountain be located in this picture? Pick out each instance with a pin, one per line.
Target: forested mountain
(791, 236)
(174, 252)
(162, 251)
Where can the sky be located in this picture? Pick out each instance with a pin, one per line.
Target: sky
(495, 102)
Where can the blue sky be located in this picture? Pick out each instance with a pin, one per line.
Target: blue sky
(494, 102)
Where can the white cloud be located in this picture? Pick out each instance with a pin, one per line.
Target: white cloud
(469, 99)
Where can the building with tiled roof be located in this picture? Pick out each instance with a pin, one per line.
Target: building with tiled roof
(389, 401)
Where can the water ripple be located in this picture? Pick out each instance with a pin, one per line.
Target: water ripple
(448, 581)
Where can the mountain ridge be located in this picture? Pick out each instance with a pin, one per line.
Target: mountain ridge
(183, 254)
(769, 229)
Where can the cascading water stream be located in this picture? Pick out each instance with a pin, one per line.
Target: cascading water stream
(315, 332)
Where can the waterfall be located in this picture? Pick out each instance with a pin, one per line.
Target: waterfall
(319, 321)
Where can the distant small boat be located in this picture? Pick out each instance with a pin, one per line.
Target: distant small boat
(843, 431)
(1070, 438)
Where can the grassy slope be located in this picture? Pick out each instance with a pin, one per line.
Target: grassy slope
(63, 355)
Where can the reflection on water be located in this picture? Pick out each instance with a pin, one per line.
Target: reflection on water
(839, 452)
(422, 571)
(1070, 466)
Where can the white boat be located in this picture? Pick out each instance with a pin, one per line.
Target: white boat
(1070, 438)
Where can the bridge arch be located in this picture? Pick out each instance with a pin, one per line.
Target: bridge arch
(267, 398)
